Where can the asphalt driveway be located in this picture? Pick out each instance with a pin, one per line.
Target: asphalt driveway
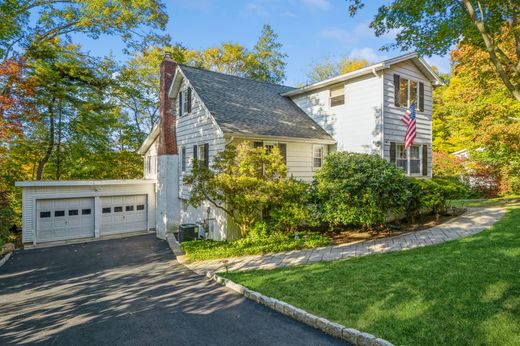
(130, 291)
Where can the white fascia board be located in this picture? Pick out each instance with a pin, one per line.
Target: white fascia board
(84, 182)
(149, 140)
(254, 137)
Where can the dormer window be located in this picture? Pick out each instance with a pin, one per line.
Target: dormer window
(337, 95)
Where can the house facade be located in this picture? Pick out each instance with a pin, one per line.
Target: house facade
(203, 111)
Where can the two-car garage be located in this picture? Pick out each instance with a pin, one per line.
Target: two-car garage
(67, 210)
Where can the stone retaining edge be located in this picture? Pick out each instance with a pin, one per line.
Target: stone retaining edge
(351, 335)
(5, 258)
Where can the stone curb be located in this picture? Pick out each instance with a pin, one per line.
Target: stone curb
(5, 258)
(353, 336)
(176, 248)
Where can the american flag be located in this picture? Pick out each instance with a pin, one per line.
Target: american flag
(409, 120)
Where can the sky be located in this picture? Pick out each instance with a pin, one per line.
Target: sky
(310, 30)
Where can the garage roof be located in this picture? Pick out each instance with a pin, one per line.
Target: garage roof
(84, 182)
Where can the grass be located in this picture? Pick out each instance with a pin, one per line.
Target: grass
(463, 292)
(199, 250)
(484, 202)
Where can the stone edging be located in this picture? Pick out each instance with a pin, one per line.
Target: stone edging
(5, 258)
(353, 336)
(176, 248)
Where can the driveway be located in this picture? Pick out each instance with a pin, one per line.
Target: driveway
(130, 291)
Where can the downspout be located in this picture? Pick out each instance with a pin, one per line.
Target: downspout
(382, 77)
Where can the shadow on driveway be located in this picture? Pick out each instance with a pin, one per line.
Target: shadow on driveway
(130, 291)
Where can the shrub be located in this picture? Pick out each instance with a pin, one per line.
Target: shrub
(360, 189)
(447, 165)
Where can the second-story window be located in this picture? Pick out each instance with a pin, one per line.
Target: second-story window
(203, 154)
(337, 95)
(407, 91)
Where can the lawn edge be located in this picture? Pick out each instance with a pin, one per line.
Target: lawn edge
(351, 335)
(5, 258)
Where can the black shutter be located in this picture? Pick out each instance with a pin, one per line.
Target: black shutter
(258, 144)
(283, 151)
(206, 154)
(397, 83)
(195, 156)
(425, 160)
(183, 162)
(189, 101)
(180, 103)
(392, 152)
(421, 96)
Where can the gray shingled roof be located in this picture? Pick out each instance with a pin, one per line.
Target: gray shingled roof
(249, 107)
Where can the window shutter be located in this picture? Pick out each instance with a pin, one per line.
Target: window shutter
(397, 82)
(421, 96)
(206, 154)
(425, 160)
(393, 152)
(195, 156)
(180, 103)
(189, 101)
(258, 144)
(283, 151)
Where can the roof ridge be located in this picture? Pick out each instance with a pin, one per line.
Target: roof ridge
(234, 76)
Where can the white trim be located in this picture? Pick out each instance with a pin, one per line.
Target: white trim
(149, 140)
(84, 182)
(254, 137)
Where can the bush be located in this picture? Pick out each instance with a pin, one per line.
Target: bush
(360, 189)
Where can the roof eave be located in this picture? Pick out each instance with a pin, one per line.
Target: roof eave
(254, 136)
(149, 140)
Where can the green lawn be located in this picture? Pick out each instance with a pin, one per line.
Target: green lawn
(484, 202)
(199, 250)
(464, 292)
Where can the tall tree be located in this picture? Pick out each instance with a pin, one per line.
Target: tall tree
(269, 60)
(434, 26)
(331, 67)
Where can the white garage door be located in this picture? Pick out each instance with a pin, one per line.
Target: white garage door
(62, 219)
(121, 214)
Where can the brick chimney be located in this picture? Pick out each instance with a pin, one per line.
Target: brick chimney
(168, 136)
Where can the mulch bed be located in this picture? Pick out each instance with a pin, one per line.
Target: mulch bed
(345, 236)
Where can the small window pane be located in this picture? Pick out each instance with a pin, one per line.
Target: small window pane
(129, 208)
(403, 88)
(45, 214)
(140, 207)
(202, 154)
(85, 211)
(318, 156)
(118, 209)
(107, 210)
(337, 96)
(414, 152)
(413, 92)
(59, 213)
(73, 212)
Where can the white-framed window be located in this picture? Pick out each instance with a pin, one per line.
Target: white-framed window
(317, 156)
(337, 95)
(407, 91)
(409, 161)
(183, 159)
(203, 154)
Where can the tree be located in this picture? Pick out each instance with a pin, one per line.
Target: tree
(243, 181)
(330, 68)
(434, 26)
(269, 61)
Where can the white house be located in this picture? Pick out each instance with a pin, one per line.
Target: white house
(202, 111)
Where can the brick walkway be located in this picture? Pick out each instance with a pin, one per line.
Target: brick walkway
(475, 220)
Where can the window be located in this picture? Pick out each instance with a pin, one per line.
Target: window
(149, 164)
(45, 214)
(73, 212)
(401, 159)
(415, 160)
(203, 152)
(59, 213)
(107, 210)
(118, 209)
(407, 91)
(140, 207)
(85, 211)
(129, 208)
(185, 102)
(270, 145)
(317, 156)
(337, 95)
(183, 159)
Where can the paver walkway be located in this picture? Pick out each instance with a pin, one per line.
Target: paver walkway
(473, 221)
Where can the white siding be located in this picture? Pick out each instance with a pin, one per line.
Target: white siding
(356, 125)
(150, 158)
(198, 128)
(394, 130)
(31, 194)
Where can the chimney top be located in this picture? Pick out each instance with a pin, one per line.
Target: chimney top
(167, 56)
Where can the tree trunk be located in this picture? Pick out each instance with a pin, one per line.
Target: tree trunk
(50, 145)
(58, 147)
(492, 49)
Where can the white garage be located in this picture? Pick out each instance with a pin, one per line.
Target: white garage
(68, 210)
